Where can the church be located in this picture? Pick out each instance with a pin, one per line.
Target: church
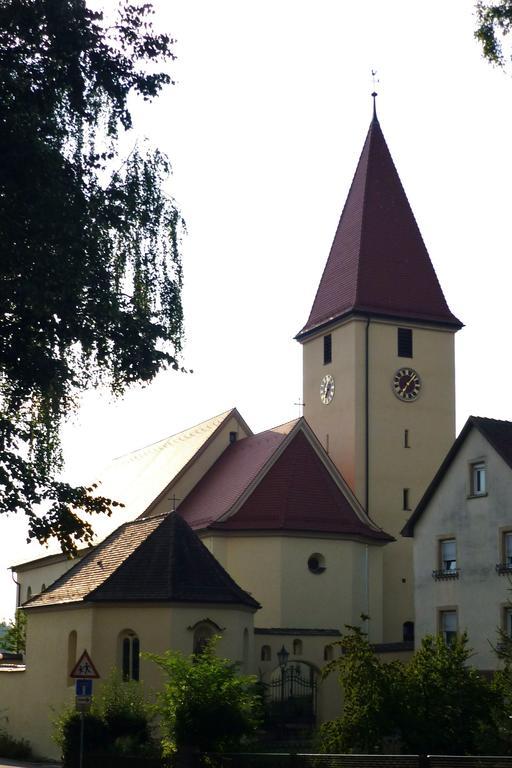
(274, 541)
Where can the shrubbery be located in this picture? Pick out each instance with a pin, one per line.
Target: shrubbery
(436, 703)
(119, 723)
(15, 749)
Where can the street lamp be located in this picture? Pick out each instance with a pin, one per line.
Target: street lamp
(282, 658)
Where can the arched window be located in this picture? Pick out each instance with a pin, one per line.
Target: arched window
(29, 593)
(328, 653)
(71, 652)
(43, 587)
(129, 652)
(203, 632)
(408, 631)
(266, 653)
(297, 647)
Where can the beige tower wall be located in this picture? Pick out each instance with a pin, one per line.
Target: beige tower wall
(274, 569)
(392, 467)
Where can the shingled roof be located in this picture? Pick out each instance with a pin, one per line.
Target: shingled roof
(156, 559)
(498, 434)
(378, 264)
(278, 481)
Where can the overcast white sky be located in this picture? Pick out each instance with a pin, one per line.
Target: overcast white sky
(264, 128)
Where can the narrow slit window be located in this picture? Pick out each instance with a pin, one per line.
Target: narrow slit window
(406, 502)
(406, 439)
(404, 340)
(327, 349)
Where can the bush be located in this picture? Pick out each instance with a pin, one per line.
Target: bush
(118, 724)
(16, 749)
(205, 703)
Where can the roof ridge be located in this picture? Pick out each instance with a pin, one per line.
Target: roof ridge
(224, 414)
(369, 139)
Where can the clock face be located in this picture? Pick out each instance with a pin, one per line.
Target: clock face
(327, 389)
(406, 384)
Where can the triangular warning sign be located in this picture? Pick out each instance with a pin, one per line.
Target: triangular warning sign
(84, 668)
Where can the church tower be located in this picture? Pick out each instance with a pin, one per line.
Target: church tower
(378, 355)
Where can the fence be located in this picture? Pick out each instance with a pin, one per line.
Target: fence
(282, 760)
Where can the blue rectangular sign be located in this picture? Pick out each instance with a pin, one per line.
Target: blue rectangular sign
(83, 688)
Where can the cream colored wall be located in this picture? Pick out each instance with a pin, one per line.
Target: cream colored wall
(274, 570)
(480, 593)
(392, 467)
(45, 684)
(33, 698)
(185, 483)
(41, 574)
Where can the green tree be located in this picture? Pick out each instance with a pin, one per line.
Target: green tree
(436, 703)
(494, 24)
(15, 638)
(205, 703)
(449, 705)
(372, 693)
(90, 271)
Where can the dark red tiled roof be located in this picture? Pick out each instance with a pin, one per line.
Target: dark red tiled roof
(297, 493)
(378, 263)
(229, 477)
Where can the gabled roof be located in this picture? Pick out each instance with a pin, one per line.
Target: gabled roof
(140, 478)
(497, 433)
(137, 478)
(378, 264)
(278, 481)
(156, 559)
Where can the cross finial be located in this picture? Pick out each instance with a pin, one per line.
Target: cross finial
(174, 500)
(375, 80)
(301, 405)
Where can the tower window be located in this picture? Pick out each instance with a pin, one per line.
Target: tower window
(406, 500)
(233, 437)
(406, 439)
(404, 339)
(327, 349)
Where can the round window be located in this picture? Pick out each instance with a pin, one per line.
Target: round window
(316, 563)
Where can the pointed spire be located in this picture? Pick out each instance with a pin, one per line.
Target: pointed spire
(378, 264)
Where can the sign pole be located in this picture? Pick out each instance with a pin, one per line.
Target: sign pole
(81, 757)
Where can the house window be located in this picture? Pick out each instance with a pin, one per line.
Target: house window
(265, 653)
(130, 655)
(406, 502)
(478, 479)
(404, 341)
(448, 626)
(505, 564)
(448, 555)
(297, 647)
(507, 549)
(328, 653)
(327, 349)
(507, 623)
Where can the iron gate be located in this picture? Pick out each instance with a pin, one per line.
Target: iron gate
(292, 696)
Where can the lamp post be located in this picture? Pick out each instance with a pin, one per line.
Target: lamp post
(282, 658)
